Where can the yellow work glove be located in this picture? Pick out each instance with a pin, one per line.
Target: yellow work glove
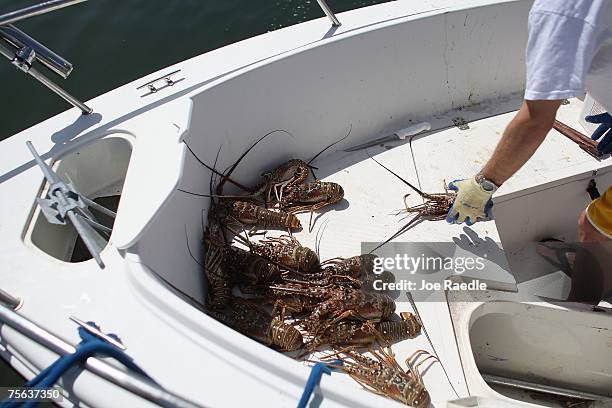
(473, 202)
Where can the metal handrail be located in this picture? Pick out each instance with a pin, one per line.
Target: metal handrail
(35, 10)
(330, 14)
(131, 382)
(50, 59)
(22, 50)
(10, 300)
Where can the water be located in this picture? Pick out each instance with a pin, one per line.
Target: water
(112, 42)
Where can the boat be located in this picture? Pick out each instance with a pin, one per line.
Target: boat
(455, 64)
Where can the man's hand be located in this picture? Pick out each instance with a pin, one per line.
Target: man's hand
(472, 204)
(605, 121)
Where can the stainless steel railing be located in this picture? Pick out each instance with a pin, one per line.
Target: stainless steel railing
(35, 10)
(131, 382)
(51, 60)
(22, 50)
(10, 300)
(330, 14)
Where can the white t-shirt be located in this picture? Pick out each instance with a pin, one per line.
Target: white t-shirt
(569, 50)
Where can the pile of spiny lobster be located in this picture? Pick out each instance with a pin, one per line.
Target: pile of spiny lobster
(279, 293)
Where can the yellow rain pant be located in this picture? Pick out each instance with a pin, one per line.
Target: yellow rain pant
(599, 213)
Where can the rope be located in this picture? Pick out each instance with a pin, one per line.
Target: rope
(314, 379)
(89, 346)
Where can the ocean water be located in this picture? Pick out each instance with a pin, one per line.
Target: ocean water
(112, 42)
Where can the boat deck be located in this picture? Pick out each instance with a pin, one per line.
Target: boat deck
(373, 196)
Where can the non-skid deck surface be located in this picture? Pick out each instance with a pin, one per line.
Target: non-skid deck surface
(456, 153)
(373, 197)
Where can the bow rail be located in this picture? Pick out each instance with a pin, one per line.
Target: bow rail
(129, 381)
(330, 14)
(23, 51)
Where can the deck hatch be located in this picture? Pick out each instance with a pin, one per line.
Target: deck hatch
(97, 171)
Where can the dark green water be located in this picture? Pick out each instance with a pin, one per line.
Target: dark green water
(112, 42)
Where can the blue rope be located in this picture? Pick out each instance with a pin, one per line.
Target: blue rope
(314, 379)
(89, 346)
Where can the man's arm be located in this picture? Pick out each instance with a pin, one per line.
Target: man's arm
(560, 50)
(519, 142)
(521, 139)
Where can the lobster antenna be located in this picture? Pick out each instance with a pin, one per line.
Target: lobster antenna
(319, 239)
(214, 195)
(242, 239)
(418, 315)
(240, 186)
(331, 145)
(212, 208)
(405, 228)
(396, 175)
(210, 185)
(202, 222)
(289, 290)
(212, 175)
(189, 249)
(233, 167)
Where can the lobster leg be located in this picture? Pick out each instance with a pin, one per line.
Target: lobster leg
(416, 367)
(377, 334)
(278, 190)
(415, 356)
(413, 366)
(408, 209)
(279, 304)
(253, 231)
(333, 261)
(345, 315)
(314, 208)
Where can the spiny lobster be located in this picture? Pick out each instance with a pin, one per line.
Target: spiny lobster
(255, 322)
(383, 375)
(435, 207)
